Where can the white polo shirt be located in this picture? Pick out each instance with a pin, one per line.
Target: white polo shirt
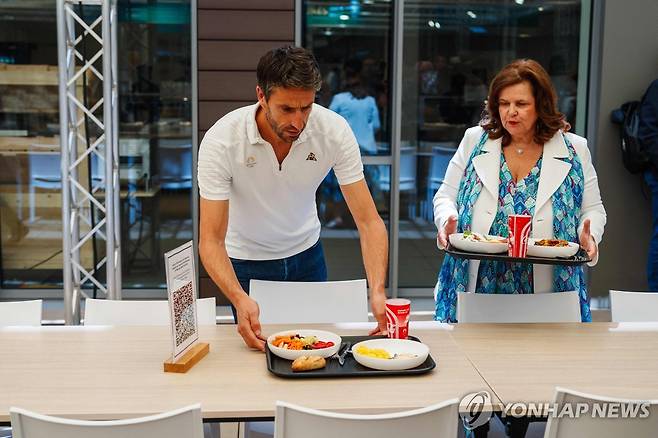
(272, 211)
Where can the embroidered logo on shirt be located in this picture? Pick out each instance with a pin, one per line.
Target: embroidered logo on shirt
(251, 161)
(311, 157)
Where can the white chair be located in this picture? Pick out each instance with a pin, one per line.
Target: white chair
(586, 426)
(441, 156)
(518, 308)
(315, 302)
(633, 306)
(175, 161)
(184, 422)
(128, 312)
(438, 420)
(407, 176)
(20, 313)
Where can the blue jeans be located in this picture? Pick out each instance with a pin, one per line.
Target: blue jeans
(652, 262)
(308, 265)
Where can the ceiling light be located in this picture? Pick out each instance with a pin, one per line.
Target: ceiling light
(344, 17)
(519, 2)
(471, 14)
(540, 9)
(430, 23)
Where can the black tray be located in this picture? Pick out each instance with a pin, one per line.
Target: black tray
(580, 258)
(281, 367)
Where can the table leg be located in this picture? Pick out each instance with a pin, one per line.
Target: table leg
(517, 427)
(481, 431)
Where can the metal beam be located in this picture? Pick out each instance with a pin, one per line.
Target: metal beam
(87, 49)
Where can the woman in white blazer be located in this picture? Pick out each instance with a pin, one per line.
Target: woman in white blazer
(520, 160)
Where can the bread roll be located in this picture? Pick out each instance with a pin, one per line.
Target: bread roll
(308, 363)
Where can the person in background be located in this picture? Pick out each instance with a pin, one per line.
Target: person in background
(520, 160)
(360, 111)
(267, 160)
(648, 133)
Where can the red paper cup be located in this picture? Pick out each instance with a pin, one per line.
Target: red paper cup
(519, 232)
(397, 317)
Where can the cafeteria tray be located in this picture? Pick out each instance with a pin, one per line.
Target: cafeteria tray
(282, 367)
(580, 258)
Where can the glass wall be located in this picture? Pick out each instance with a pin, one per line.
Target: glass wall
(155, 135)
(30, 183)
(452, 50)
(352, 42)
(155, 141)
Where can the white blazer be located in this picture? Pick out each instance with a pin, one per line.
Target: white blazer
(553, 172)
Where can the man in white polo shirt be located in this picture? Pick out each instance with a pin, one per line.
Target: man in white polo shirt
(267, 161)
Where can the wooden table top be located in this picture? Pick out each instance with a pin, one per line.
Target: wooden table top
(525, 362)
(116, 372)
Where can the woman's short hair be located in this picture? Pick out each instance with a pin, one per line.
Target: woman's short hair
(288, 67)
(549, 119)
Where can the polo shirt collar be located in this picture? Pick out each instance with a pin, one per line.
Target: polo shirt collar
(254, 134)
(252, 127)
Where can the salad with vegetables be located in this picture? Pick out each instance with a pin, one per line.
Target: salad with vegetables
(298, 342)
(485, 238)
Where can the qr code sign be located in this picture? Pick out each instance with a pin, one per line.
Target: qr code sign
(184, 313)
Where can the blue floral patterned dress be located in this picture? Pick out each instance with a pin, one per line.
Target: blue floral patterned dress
(513, 198)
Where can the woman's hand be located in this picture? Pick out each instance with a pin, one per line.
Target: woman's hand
(587, 241)
(449, 228)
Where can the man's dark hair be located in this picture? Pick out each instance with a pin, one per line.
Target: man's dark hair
(288, 67)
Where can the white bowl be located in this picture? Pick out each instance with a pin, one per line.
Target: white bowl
(458, 241)
(393, 346)
(294, 354)
(551, 251)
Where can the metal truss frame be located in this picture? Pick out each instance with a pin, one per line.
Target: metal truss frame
(90, 205)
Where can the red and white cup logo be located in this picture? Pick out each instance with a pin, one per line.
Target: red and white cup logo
(519, 232)
(397, 317)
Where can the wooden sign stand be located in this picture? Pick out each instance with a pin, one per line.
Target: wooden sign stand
(188, 360)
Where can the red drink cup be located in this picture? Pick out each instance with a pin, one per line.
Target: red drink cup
(519, 231)
(397, 317)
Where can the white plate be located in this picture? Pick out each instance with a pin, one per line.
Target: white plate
(457, 240)
(393, 346)
(551, 251)
(294, 354)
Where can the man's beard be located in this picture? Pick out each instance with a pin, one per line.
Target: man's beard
(277, 129)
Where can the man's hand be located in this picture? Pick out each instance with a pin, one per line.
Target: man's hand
(587, 241)
(449, 228)
(248, 324)
(374, 245)
(213, 224)
(378, 305)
